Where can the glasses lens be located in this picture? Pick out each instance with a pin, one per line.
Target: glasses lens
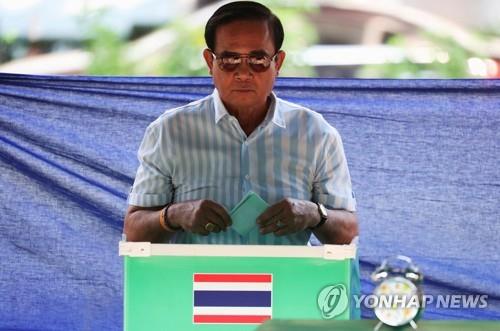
(229, 63)
(258, 63)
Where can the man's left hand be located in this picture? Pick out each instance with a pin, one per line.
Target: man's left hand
(288, 216)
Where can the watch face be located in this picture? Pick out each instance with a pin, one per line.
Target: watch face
(398, 301)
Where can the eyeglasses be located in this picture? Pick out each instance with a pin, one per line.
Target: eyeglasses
(257, 62)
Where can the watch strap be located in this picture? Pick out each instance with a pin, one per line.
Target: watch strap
(322, 216)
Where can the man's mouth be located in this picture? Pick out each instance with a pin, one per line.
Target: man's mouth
(243, 89)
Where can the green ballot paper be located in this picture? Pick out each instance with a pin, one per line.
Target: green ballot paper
(245, 214)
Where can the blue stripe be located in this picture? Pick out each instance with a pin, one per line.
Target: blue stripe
(232, 298)
(278, 178)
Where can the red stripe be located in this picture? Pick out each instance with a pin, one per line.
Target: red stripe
(253, 278)
(230, 319)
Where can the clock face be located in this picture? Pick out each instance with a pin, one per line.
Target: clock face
(398, 301)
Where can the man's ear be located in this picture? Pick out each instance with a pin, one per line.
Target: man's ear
(209, 59)
(280, 58)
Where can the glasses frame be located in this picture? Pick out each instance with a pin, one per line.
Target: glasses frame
(253, 66)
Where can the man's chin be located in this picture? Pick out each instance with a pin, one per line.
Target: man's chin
(244, 98)
(244, 93)
(244, 105)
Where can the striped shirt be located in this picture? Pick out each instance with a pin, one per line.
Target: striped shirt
(199, 151)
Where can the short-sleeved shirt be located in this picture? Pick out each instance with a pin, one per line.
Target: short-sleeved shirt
(199, 151)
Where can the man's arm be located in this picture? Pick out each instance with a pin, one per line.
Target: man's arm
(292, 215)
(340, 228)
(143, 223)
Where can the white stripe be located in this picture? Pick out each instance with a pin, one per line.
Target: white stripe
(248, 311)
(237, 286)
(329, 252)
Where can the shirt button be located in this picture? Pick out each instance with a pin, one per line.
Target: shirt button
(247, 177)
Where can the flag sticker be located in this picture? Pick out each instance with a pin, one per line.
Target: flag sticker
(232, 298)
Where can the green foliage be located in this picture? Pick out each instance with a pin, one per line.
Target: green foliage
(7, 40)
(184, 56)
(299, 34)
(455, 67)
(106, 47)
(108, 55)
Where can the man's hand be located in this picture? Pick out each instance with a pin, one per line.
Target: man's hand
(288, 216)
(193, 216)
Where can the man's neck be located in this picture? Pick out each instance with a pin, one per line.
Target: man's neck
(249, 119)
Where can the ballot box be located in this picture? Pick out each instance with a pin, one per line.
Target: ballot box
(234, 287)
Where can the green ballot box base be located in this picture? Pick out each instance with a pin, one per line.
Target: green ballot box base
(233, 287)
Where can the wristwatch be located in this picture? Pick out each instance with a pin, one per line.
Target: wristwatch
(323, 213)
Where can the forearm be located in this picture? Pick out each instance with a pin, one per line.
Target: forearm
(340, 228)
(144, 225)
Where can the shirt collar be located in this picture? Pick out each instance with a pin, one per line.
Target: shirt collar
(274, 110)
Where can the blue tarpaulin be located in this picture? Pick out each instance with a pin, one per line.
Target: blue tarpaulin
(423, 156)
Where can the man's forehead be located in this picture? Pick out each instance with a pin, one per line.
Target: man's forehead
(251, 52)
(244, 37)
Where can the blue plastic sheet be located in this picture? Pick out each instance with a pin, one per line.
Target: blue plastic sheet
(423, 155)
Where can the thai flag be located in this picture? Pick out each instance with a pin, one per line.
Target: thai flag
(232, 298)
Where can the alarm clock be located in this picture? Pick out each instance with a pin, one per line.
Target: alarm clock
(398, 291)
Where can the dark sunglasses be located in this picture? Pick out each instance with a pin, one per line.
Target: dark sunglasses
(256, 62)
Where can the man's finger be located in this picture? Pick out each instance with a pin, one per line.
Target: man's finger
(283, 231)
(270, 215)
(224, 216)
(209, 213)
(221, 213)
(269, 228)
(213, 218)
(201, 230)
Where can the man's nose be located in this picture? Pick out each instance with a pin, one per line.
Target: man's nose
(244, 70)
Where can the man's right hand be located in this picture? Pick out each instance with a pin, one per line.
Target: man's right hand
(193, 216)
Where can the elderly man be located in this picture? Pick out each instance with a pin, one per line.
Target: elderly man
(199, 160)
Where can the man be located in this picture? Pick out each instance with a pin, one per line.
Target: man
(198, 161)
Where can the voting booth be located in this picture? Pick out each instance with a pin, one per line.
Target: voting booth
(235, 287)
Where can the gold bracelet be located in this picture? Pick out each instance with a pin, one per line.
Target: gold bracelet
(164, 222)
